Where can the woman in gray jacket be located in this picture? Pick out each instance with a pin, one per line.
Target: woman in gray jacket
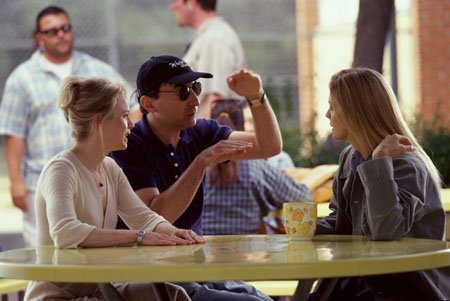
(386, 187)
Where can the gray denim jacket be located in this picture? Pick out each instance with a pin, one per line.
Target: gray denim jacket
(387, 199)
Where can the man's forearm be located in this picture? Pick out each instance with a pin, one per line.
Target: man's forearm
(267, 131)
(172, 202)
(14, 148)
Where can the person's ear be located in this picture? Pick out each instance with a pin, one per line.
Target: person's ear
(96, 121)
(39, 41)
(147, 103)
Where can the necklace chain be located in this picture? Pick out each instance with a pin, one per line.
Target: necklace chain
(98, 178)
(97, 175)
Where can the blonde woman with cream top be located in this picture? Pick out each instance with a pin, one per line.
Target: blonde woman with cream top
(80, 192)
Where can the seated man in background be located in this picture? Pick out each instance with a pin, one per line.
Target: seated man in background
(239, 193)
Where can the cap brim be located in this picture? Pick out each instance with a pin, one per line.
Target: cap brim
(188, 77)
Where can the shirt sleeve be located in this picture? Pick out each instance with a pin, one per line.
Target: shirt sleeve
(115, 76)
(14, 108)
(278, 188)
(58, 186)
(395, 194)
(213, 132)
(91, 66)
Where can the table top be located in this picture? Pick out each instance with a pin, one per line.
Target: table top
(445, 196)
(247, 257)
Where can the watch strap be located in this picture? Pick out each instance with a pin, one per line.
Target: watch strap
(256, 102)
(140, 237)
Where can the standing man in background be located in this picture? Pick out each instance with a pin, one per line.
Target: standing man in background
(33, 125)
(215, 48)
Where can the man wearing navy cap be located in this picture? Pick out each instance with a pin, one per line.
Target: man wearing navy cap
(169, 150)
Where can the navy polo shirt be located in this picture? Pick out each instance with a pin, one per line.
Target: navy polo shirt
(148, 162)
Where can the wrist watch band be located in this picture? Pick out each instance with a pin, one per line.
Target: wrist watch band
(140, 237)
(256, 102)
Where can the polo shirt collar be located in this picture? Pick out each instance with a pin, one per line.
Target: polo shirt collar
(156, 144)
(206, 24)
(184, 137)
(37, 61)
(39, 65)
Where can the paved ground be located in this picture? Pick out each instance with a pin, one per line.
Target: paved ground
(4, 191)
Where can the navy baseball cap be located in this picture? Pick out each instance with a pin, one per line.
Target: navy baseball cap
(165, 69)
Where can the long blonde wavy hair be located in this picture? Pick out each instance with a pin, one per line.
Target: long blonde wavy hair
(372, 111)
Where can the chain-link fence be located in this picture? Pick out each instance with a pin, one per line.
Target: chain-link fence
(125, 33)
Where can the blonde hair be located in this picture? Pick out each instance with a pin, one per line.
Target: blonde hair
(82, 98)
(371, 110)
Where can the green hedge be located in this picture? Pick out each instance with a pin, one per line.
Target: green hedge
(435, 140)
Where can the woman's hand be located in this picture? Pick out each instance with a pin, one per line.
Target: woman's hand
(393, 145)
(159, 239)
(188, 235)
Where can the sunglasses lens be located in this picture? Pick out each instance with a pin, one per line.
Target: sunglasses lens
(197, 88)
(66, 28)
(183, 93)
(54, 31)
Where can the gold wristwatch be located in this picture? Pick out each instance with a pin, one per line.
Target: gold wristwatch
(256, 102)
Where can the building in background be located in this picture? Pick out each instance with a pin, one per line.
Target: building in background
(326, 36)
(431, 21)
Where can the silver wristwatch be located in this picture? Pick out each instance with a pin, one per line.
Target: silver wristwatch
(140, 237)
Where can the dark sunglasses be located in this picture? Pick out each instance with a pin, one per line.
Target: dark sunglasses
(54, 31)
(184, 91)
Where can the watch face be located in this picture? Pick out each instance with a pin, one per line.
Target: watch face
(140, 237)
(257, 101)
